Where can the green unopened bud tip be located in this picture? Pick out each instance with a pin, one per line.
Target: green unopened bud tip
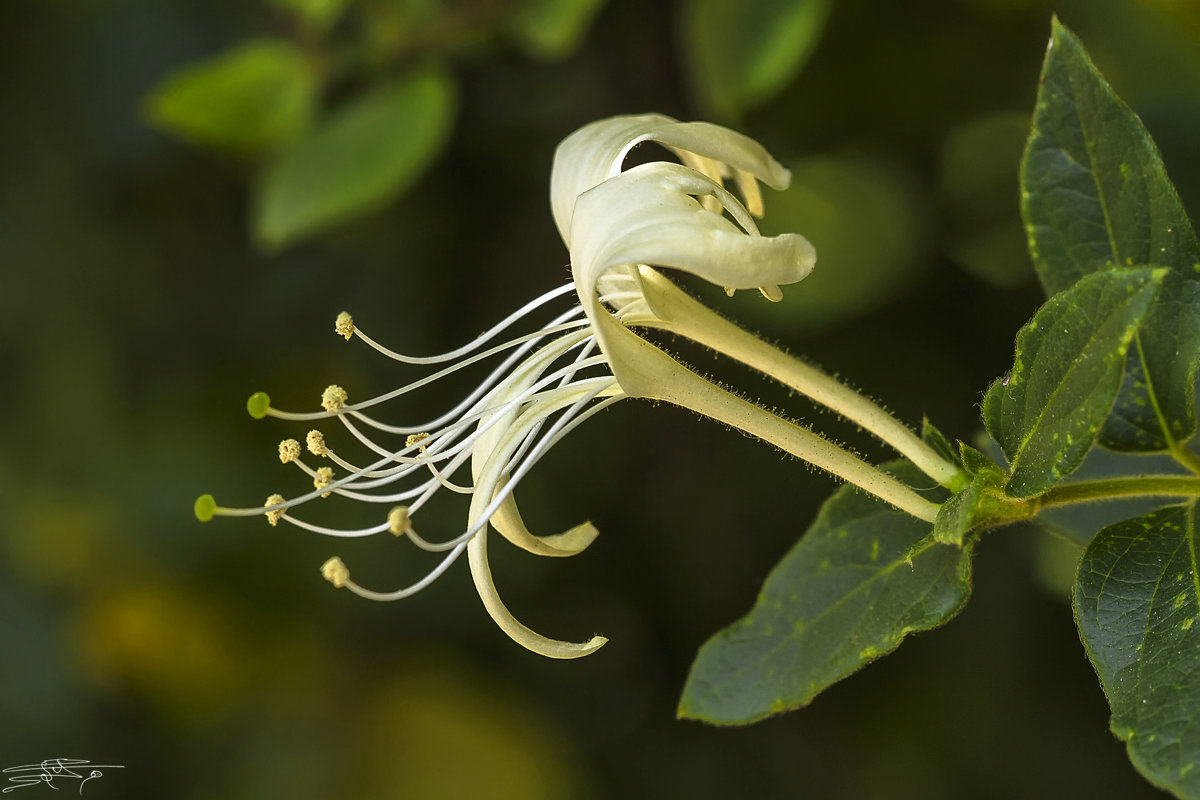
(258, 404)
(205, 507)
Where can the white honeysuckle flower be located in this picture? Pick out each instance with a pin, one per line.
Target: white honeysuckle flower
(619, 226)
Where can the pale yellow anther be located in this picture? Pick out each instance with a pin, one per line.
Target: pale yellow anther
(316, 443)
(335, 572)
(323, 478)
(415, 438)
(344, 325)
(398, 521)
(289, 450)
(273, 517)
(333, 398)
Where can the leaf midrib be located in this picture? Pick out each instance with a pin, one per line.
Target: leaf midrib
(1094, 171)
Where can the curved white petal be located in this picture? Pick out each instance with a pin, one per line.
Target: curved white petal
(649, 216)
(508, 523)
(595, 152)
(481, 572)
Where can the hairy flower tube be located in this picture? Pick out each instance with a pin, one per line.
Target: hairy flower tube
(620, 226)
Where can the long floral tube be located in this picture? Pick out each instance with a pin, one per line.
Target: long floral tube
(676, 312)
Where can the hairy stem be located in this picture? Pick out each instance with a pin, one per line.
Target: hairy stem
(680, 314)
(1112, 488)
(647, 372)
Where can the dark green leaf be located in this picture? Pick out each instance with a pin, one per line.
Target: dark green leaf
(1156, 412)
(1095, 197)
(741, 54)
(1070, 358)
(255, 96)
(863, 577)
(938, 441)
(360, 158)
(1136, 602)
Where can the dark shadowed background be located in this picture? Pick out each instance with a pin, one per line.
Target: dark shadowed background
(138, 310)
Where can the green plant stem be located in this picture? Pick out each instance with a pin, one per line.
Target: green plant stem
(1068, 494)
(996, 508)
(682, 315)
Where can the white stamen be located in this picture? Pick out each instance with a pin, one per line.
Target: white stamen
(482, 339)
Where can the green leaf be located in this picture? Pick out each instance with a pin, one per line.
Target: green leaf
(938, 441)
(253, 97)
(361, 157)
(1095, 196)
(741, 54)
(863, 577)
(553, 29)
(1137, 597)
(1070, 358)
(979, 465)
(956, 515)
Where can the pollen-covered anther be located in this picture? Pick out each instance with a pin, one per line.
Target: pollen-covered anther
(316, 443)
(333, 398)
(398, 520)
(415, 438)
(273, 517)
(323, 478)
(335, 571)
(344, 325)
(289, 451)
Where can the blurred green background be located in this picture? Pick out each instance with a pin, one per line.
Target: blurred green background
(164, 255)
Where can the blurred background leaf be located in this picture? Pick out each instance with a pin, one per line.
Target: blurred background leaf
(979, 168)
(254, 97)
(359, 157)
(868, 219)
(552, 29)
(739, 55)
